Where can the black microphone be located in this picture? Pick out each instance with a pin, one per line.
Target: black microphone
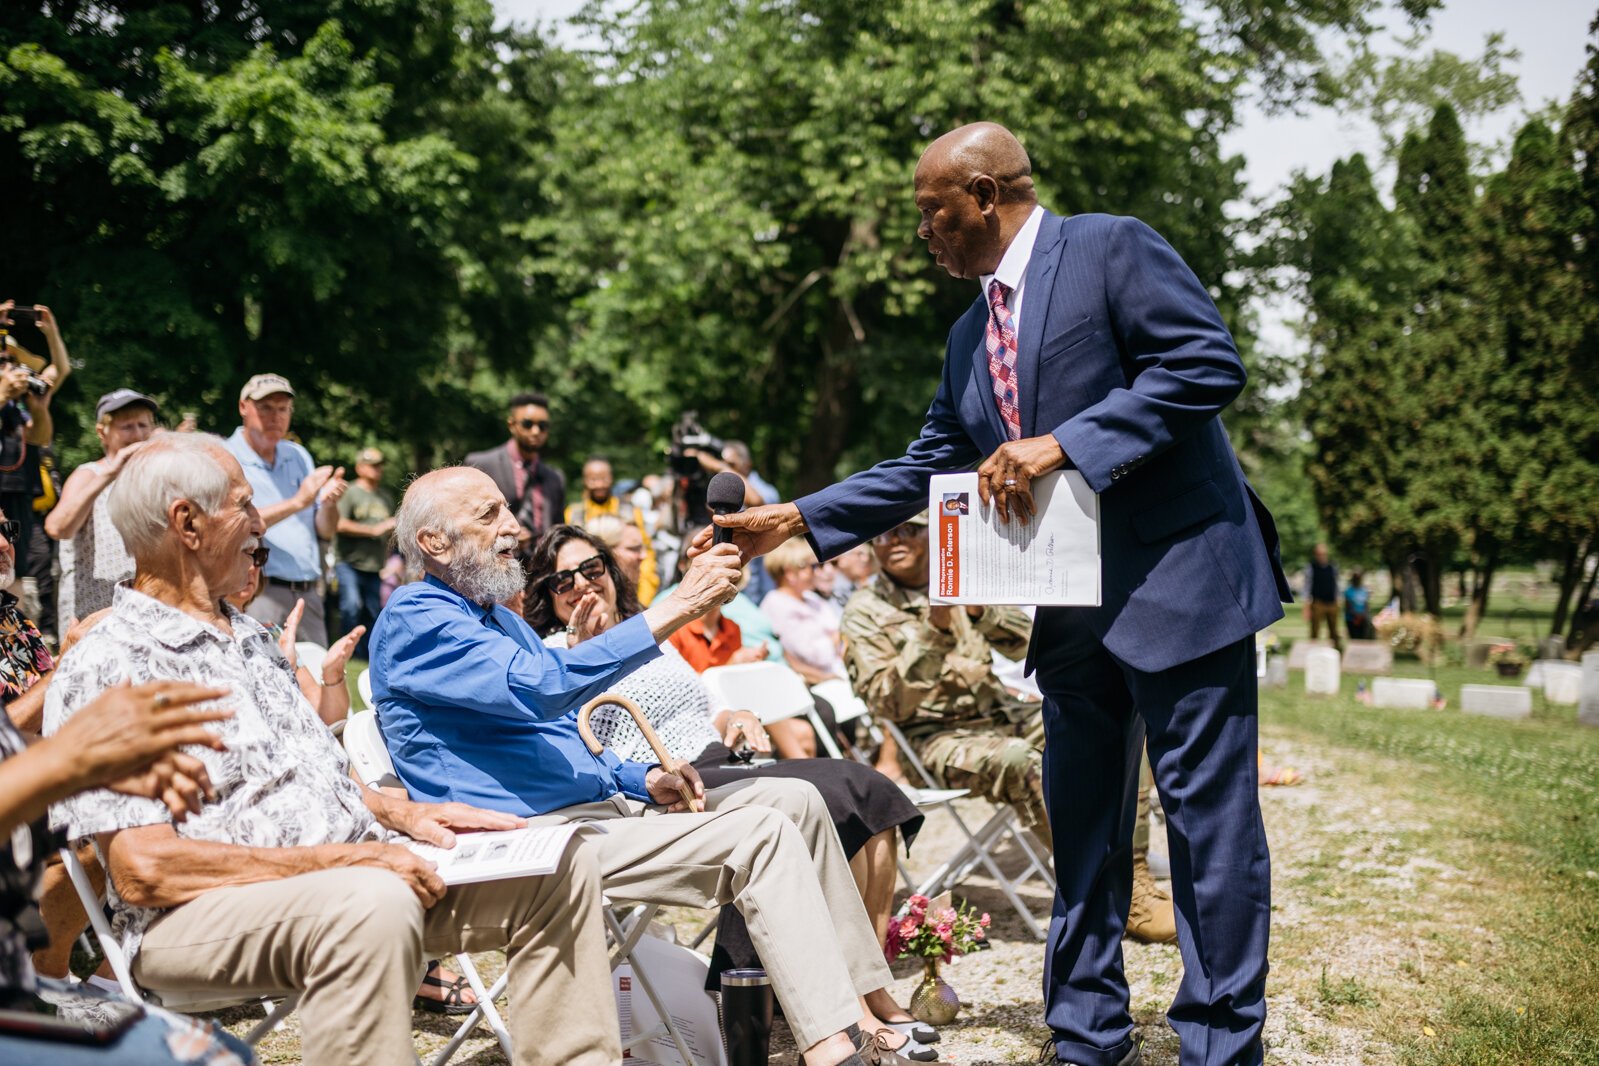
(724, 495)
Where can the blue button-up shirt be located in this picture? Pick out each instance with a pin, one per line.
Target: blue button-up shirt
(476, 709)
(295, 554)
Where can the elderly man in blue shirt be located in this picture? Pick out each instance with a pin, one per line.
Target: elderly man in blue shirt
(297, 501)
(475, 708)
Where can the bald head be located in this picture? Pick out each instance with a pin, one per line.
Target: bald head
(974, 192)
(980, 149)
(454, 524)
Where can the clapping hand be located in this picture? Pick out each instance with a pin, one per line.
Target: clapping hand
(126, 739)
(338, 656)
(590, 617)
(291, 630)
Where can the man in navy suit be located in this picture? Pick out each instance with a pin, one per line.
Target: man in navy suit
(1092, 345)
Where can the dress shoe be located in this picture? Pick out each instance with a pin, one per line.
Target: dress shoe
(1047, 1055)
(871, 1049)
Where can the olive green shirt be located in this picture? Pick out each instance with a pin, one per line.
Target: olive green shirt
(911, 672)
(367, 554)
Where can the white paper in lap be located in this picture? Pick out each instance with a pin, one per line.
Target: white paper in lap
(1052, 559)
(529, 852)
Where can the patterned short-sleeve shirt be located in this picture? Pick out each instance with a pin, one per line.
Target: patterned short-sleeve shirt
(283, 781)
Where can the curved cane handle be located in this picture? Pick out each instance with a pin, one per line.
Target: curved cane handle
(662, 756)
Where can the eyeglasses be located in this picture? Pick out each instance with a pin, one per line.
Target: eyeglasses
(259, 557)
(903, 531)
(561, 582)
(11, 529)
(535, 423)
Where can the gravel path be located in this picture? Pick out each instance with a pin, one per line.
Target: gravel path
(1326, 955)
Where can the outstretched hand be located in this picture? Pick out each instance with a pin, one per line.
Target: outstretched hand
(755, 531)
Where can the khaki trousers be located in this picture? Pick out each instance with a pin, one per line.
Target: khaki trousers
(768, 847)
(353, 940)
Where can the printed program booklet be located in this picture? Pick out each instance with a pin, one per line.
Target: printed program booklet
(495, 855)
(1049, 560)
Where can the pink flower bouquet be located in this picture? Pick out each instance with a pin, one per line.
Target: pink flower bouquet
(935, 929)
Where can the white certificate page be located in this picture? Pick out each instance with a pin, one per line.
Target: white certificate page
(1049, 560)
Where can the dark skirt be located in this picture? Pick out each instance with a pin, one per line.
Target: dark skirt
(861, 801)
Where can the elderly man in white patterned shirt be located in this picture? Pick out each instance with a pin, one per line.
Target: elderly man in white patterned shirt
(286, 881)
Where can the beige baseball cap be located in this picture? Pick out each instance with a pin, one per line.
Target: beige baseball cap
(263, 385)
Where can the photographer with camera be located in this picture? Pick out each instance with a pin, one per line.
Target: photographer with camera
(41, 378)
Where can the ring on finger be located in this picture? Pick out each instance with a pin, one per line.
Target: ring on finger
(1010, 482)
(161, 701)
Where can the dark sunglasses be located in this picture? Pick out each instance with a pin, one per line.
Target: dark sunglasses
(561, 582)
(905, 531)
(535, 423)
(260, 556)
(11, 529)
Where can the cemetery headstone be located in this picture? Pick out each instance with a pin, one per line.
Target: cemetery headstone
(1277, 672)
(1497, 701)
(1552, 647)
(1368, 657)
(1562, 683)
(1302, 648)
(1321, 671)
(1402, 692)
(1588, 708)
(1477, 651)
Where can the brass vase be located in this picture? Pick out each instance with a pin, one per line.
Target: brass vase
(934, 1002)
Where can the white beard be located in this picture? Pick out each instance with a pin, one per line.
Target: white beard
(481, 575)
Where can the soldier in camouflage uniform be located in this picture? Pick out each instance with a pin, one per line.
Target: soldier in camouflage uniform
(928, 668)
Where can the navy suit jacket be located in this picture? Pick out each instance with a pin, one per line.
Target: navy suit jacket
(1123, 357)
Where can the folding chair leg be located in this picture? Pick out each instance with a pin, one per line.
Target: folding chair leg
(274, 1017)
(627, 938)
(102, 928)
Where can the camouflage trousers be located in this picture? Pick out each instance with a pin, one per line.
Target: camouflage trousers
(999, 760)
(1003, 762)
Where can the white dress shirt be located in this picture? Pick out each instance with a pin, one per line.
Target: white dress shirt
(1012, 271)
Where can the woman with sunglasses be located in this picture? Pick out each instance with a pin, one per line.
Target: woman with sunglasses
(576, 591)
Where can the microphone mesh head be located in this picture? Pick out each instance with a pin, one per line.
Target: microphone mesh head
(725, 493)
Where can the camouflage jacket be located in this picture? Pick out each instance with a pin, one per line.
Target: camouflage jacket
(909, 671)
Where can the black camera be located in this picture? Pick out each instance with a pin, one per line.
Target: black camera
(692, 478)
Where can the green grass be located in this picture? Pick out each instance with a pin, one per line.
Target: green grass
(1516, 806)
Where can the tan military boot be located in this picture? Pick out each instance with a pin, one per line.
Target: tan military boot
(1151, 917)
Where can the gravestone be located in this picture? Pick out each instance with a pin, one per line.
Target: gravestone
(1477, 651)
(1402, 692)
(1368, 657)
(1534, 678)
(1552, 647)
(1302, 648)
(1497, 701)
(1277, 672)
(1321, 672)
(1562, 683)
(1588, 708)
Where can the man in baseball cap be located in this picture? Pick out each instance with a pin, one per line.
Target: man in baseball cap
(93, 558)
(296, 499)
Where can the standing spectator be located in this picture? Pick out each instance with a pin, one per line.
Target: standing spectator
(535, 490)
(296, 499)
(598, 500)
(1357, 608)
(36, 557)
(1321, 594)
(366, 518)
(93, 558)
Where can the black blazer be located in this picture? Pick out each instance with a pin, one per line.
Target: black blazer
(496, 463)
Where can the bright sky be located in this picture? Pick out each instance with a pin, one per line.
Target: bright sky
(1551, 36)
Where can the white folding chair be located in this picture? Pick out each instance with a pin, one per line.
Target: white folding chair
(180, 1002)
(980, 844)
(369, 756)
(310, 656)
(363, 740)
(773, 692)
(363, 686)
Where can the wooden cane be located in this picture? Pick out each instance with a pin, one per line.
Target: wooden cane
(668, 763)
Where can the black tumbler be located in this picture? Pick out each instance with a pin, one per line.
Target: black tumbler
(746, 1017)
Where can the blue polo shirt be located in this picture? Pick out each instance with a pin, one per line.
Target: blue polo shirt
(476, 709)
(295, 554)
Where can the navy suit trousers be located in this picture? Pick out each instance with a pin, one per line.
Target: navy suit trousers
(1200, 718)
